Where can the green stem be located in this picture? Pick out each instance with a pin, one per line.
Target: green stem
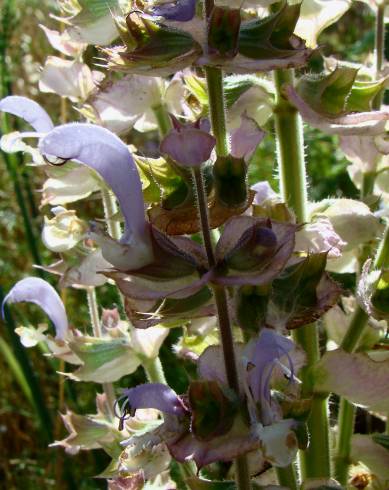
(154, 371)
(217, 109)
(379, 51)
(315, 461)
(162, 116)
(287, 477)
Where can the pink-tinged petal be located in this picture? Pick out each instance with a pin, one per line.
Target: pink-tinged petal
(154, 395)
(179, 10)
(363, 123)
(357, 377)
(105, 153)
(28, 110)
(188, 145)
(246, 138)
(37, 291)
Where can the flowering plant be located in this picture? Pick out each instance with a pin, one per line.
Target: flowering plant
(252, 278)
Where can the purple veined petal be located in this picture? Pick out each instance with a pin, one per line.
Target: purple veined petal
(263, 355)
(104, 152)
(246, 138)
(28, 110)
(154, 395)
(180, 10)
(37, 291)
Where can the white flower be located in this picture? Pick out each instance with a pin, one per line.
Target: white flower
(68, 78)
(64, 231)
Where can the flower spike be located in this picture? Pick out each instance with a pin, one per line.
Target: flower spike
(40, 292)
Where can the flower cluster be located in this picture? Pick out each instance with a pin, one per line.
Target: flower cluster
(167, 142)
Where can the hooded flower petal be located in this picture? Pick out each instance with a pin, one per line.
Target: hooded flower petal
(105, 153)
(28, 110)
(263, 356)
(154, 395)
(40, 292)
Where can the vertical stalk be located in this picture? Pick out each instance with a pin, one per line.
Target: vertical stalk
(217, 112)
(225, 327)
(287, 477)
(217, 108)
(315, 461)
(379, 51)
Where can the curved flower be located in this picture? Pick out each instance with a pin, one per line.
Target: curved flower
(40, 292)
(28, 110)
(105, 153)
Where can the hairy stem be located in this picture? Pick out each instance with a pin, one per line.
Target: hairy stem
(154, 371)
(217, 109)
(315, 461)
(287, 477)
(225, 327)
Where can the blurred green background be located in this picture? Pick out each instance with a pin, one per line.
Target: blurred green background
(29, 406)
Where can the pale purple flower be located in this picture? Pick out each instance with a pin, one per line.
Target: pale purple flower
(37, 291)
(104, 152)
(179, 10)
(28, 110)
